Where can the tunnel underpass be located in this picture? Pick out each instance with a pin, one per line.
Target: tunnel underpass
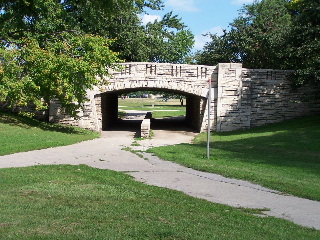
(191, 121)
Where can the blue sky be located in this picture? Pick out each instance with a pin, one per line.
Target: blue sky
(202, 16)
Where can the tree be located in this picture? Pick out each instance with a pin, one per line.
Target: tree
(257, 38)
(217, 51)
(56, 49)
(168, 40)
(304, 42)
(278, 34)
(45, 55)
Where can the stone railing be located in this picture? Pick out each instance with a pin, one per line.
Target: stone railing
(166, 69)
(179, 77)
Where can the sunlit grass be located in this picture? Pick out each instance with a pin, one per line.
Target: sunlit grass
(79, 202)
(283, 156)
(158, 107)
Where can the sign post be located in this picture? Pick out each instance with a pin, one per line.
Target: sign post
(209, 124)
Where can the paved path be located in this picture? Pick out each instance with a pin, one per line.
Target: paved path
(106, 153)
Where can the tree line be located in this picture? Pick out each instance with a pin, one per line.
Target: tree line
(276, 34)
(56, 48)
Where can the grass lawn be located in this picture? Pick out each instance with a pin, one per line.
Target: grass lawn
(79, 202)
(20, 134)
(284, 156)
(158, 107)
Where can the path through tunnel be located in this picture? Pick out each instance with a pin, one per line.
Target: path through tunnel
(125, 110)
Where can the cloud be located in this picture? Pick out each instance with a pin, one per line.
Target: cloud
(241, 2)
(146, 18)
(201, 40)
(183, 5)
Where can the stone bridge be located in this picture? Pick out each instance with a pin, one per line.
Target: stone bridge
(241, 98)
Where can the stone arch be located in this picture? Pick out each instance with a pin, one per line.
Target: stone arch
(195, 106)
(188, 80)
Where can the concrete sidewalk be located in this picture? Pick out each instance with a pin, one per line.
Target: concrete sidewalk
(106, 153)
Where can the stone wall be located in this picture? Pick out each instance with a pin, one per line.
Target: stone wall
(195, 110)
(213, 105)
(90, 116)
(254, 97)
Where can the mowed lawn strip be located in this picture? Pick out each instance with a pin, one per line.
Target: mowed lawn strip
(20, 134)
(80, 202)
(158, 107)
(284, 156)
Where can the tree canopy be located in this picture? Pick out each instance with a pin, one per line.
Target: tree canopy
(56, 49)
(304, 41)
(279, 34)
(256, 38)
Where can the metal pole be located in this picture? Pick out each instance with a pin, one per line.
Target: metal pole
(209, 124)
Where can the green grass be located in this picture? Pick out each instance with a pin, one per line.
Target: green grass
(149, 103)
(284, 156)
(168, 114)
(20, 134)
(79, 202)
(156, 106)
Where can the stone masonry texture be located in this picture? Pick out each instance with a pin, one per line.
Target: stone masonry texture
(240, 98)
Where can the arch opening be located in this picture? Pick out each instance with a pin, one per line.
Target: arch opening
(186, 112)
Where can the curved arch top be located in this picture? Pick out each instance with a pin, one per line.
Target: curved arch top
(192, 79)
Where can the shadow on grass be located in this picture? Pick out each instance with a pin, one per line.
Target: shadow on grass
(270, 152)
(27, 122)
(292, 143)
(298, 124)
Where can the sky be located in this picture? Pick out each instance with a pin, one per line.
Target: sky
(201, 16)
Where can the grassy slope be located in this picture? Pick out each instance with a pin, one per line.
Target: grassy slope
(283, 156)
(79, 202)
(20, 134)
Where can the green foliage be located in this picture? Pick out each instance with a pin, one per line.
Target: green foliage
(257, 37)
(80, 202)
(45, 55)
(304, 42)
(166, 40)
(284, 156)
(260, 34)
(278, 34)
(56, 49)
(62, 70)
(217, 51)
